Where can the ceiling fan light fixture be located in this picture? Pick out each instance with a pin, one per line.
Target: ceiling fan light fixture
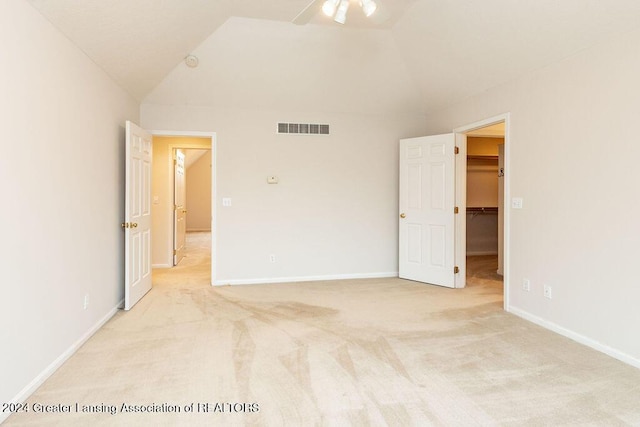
(329, 7)
(341, 14)
(368, 7)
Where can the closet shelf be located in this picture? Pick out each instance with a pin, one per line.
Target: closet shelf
(481, 210)
(479, 157)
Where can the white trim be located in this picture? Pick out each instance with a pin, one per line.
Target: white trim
(214, 183)
(161, 266)
(484, 123)
(180, 133)
(460, 238)
(623, 357)
(506, 118)
(53, 367)
(305, 278)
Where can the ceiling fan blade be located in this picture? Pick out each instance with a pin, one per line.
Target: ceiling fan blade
(308, 13)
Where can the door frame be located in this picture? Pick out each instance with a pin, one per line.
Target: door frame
(461, 198)
(214, 180)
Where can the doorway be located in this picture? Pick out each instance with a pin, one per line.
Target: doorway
(192, 197)
(485, 149)
(485, 206)
(198, 149)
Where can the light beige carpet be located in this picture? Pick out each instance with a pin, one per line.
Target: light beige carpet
(356, 352)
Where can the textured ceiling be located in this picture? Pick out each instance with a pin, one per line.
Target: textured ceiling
(426, 55)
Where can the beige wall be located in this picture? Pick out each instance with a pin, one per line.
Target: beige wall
(482, 191)
(482, 182)
(199, 194)
(62, 179)
(162, 194)
(573, 149)
(482, 233)
(477, 146)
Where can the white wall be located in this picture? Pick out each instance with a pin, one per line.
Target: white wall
(334, 212)
(574, 150)
(61, 179)
(199, 194)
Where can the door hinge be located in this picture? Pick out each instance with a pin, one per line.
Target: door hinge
(175, 252)
(457, 150)
(456, 210)
(456, 270)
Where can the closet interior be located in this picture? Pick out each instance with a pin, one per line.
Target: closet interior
(485, 189)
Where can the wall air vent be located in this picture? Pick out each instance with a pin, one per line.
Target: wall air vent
(303, 129)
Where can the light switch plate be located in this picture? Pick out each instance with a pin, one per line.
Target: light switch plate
(517, 203)
(226, 201)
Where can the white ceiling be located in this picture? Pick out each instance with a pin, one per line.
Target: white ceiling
(428, 54)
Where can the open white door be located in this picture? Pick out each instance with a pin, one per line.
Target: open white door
(137, 217)
(427, 210)
(179, 209)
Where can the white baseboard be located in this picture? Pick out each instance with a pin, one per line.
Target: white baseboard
(223, 282)
(49, 370)
(161, 266)
(616, 354)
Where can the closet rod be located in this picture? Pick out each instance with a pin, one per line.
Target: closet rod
(491, 209)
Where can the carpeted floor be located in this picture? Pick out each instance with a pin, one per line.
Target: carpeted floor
(355, 352)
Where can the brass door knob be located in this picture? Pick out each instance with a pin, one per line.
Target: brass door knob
(403, 215)
(134, 225)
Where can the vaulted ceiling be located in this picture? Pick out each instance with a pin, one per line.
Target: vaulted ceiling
(425, 55)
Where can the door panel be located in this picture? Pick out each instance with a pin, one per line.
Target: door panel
(427, 201)
(137, 225)
(180, 210)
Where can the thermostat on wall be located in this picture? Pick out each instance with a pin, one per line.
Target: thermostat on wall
(272, 180)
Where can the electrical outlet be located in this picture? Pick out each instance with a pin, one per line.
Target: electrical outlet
(85, 304)
(547, 291)
(526, 285)
(272, 258)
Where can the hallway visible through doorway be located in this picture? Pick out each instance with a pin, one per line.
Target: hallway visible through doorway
(195, 267)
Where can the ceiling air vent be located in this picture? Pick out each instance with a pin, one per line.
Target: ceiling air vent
(303, 128)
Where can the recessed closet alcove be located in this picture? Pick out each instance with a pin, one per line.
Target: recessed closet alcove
(484, 196)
